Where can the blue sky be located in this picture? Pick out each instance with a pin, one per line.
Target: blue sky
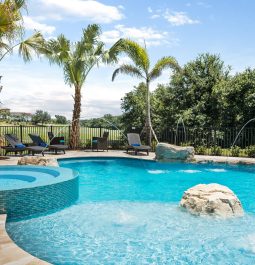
(179, 28)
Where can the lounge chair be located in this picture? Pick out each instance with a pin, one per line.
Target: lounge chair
(16, 146)
(39, 141)
(56, 139)
(134, 143)
(100, 143)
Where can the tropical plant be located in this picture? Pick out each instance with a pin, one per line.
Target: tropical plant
(250, 151)
(12, 31)
(141, 69)
(235, 151)
(77, 60)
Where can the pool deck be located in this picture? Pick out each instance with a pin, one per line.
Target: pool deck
(198, 158)
(11, 254)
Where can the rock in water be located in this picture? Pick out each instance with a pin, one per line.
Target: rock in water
(169, 152)
(38, 161)
(212, 199)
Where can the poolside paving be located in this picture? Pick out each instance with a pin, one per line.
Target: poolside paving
(114, 153)
(10, 253)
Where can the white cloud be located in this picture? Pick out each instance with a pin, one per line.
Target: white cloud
(155, 16)
(179, 18)
(88, 9)
(148, 34)
(31, 24)
(149, 9)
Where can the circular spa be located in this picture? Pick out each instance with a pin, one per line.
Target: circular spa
(29, 190)
(128, 213)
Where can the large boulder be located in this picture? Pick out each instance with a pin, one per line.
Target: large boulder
(212, 199)
(169, 152)
(37, 161)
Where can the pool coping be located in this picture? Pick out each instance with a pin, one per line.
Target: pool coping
(10, 253)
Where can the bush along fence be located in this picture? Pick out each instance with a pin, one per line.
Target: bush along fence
(207, 141)
(213, 141)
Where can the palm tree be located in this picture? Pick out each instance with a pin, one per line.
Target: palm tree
(11, 31)
(77, 60)
(141, 69)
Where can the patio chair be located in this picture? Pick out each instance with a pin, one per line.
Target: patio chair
(37, 140)
(56, 139)
(134, 143)
(16, 146)
(100, 143)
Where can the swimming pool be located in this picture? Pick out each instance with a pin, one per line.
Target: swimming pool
(128, 213)
(28, 190)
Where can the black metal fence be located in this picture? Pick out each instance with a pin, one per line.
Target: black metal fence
(115, 140)
(211, 141)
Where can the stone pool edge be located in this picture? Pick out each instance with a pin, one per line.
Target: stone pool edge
(10, 253)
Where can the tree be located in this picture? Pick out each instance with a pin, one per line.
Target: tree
(61, 119)
(193, 90)
(12, 32)
(41, 116)
(77, 60)
(236, 99)
(141, 69)
(133, 106)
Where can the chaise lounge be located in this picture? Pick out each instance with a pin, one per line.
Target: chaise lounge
(16, 146)
(135, 144)
(39, 141)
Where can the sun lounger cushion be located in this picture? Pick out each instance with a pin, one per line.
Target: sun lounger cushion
(43, 145)
(20, 146)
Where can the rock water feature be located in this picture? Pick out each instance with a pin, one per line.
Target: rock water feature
(37, 161)
(168, 152)
(213, 200)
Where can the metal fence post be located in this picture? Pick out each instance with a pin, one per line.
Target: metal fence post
(21, 133)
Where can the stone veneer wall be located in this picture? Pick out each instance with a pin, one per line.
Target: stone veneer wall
(41, 199)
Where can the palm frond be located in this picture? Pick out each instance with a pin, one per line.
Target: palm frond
(111, 55)
(162, 64)
(30, 46)
(4, 47)
(58, 50)
(128, 70)
(136, 53)
(90, 36)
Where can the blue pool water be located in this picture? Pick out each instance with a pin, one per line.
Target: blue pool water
(19, 177)
(128, 213)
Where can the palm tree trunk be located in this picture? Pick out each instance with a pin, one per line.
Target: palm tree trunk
(147, 129)
(148, 125)
(75, 130)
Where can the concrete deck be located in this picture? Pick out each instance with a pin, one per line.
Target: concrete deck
(198, 158)
(11, 254)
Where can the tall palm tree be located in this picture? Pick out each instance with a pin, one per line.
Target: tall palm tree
(141, 69)
(77, 60)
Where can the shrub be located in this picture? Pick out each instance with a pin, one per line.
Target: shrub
(250, 151)
(200, 150)
(235, 151)
(216, 150)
